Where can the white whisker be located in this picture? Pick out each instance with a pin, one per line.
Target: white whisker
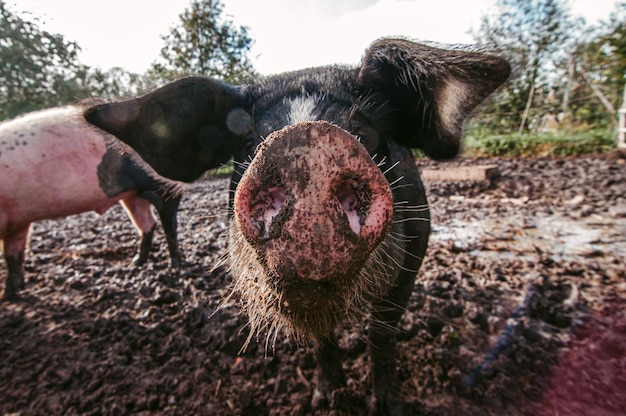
(415, 208)
(404, 237)
(404, 204)
(404, 251)
(391, 167)
(401, 238)
(240, 164)
(221, 261)
(398, 264)
(406, 185)
(396, 181)
(410, 219)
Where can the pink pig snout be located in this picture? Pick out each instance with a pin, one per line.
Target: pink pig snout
(313, 203)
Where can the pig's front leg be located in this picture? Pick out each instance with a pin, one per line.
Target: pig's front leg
(330, 375)
(14, 246)
(382, 336)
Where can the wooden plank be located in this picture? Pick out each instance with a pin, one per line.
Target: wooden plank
(474, 173)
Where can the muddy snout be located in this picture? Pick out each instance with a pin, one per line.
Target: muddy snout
(313, 204)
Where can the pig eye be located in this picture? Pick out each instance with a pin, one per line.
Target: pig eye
(353, 201)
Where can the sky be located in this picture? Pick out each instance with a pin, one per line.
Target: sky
(287, 34)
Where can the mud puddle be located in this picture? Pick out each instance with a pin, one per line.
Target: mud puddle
(557, 236)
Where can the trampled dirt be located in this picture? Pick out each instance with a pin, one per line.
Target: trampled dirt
(520, 308)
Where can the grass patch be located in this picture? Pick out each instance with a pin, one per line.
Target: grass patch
(544, 144)
(225, 170)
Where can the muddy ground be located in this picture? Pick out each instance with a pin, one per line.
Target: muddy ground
(537, 254)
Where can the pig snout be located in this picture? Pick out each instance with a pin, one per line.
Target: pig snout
(313, 204)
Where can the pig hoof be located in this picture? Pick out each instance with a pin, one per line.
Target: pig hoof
(139, 260)
(388, 405)
(319, 400)
(9, 295)
(14, 284)
(175, 262)
(341, 400)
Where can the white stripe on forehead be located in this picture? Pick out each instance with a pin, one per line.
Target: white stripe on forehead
(301, 109)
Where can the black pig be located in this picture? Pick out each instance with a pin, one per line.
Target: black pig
(331, 220)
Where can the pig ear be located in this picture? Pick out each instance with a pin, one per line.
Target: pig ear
(433, 90)
(191, 117)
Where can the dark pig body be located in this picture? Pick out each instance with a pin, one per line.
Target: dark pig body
(181, 130)
(331, 220)
(53, 164)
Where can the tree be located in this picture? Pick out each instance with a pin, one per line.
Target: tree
(37, 69)
(597, 73)
(204, 43)
(114, 82)
(615, 41)
(531, 34)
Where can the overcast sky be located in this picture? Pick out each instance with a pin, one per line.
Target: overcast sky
(288, 34)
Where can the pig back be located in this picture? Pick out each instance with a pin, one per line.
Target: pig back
(48, 167)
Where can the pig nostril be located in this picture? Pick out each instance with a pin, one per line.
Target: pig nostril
(349, 201)
(346, 197)
(276, 199)
(267, 205)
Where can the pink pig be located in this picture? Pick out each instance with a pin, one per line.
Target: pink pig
(53, 163)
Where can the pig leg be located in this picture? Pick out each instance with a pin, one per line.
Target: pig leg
(330, 375)
(382, 349)
(14, 246)
(382, 342)
(167, 213)
(140, 212)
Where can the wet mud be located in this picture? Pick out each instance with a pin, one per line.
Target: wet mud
(519, 309)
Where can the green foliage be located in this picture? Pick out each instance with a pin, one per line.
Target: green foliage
(114, 82)
(37, 69)
(529, 33)
(546, 144)
(596, 80)
(615, 41)
(205, 44)
(562, 68)
(40, 70)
